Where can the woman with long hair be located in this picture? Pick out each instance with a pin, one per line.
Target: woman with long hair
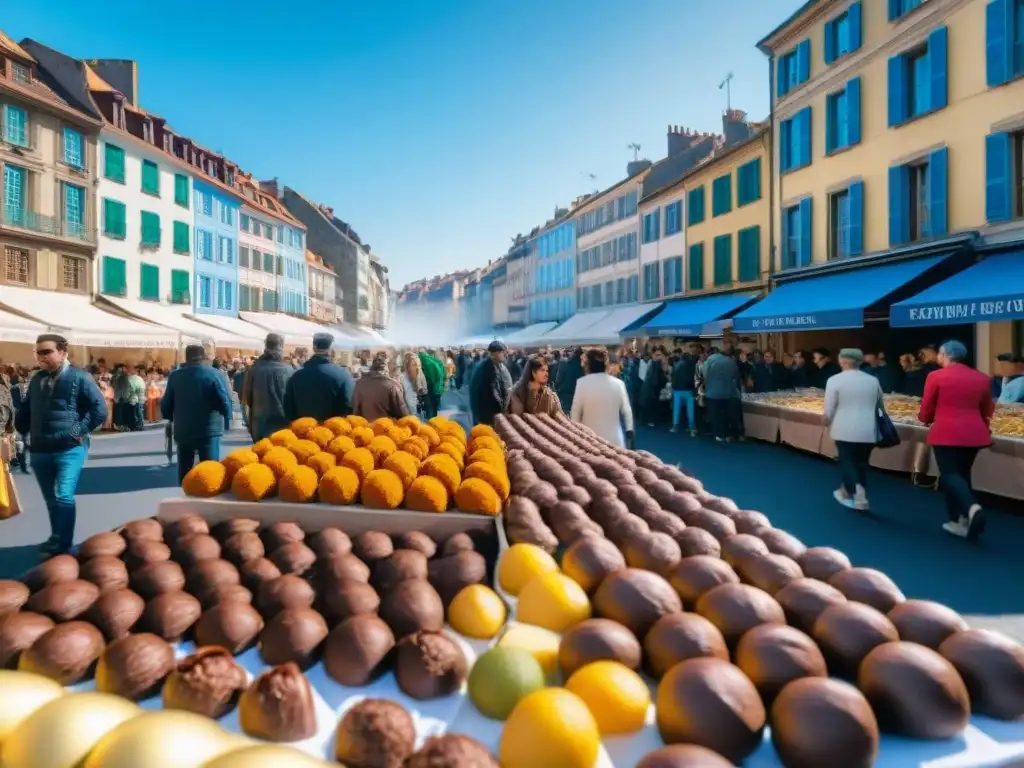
(531, 393)
(414, 384)
(602, 403)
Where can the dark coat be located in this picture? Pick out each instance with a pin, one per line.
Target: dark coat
(771, 377)
(62, 418)
(378, 396)
(889, 376)
(263, 393)
(822, 375)
(654, 381)
(569, 372)
(490, 390)
(197, 403)
(801, 377)
(684, 374)
(319, 389)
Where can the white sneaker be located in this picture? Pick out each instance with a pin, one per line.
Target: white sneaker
(975, 521)
(956, 529)
(843, 497)
(860, 500)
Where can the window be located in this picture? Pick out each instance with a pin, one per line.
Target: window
(280, 235)
(243, 256)
(114, 277)
(898, 8)
(1004, 176)
(74, 148)
(150, 178)
(721, 195)
(20, 73)
(150, 228)
(204, 203)
(793, 68)
(652, 225)
(181, 190)
(280, 267)
(225, 250)
(695, 206)
(204, 245)
(243, 222)
(748, 243)
(182, 238)
(268, 263)
(17, 266)
(843, 33)
(74, 209)
(632, 289)
(673, 275)
(723, 260)
(298, 240)
(15, 125)
(15, 194)
(227, 214)
(796, 235)
(205, 292)
(269, 300)
(225, 294)
(113, 163)
(243, 298)
(609, 293)
(651, 281)
(918, 79)
(795, 141)
(72, 274)
(149, 282)
(1004, 41)
(268, 231)
(673, 218)
(846, 222)
(180, 281)
(748, 183)
(695, 265)
(842, 117)
(918, 198)
(115, 220)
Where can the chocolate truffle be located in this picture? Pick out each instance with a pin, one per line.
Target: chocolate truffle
(772, 655)
(293, 557)
(992, 667)
(683, 756)
(782, 543)
(656, 552)
(452, 751)
(375, 733)
(13, 595)
(371, 546)
(403, 565)
(769, 572)
(158, 579)
(105, 571)
(67, 653)
(868, 586)
(141, 552)
(741, 546)
(206, 577)
(418, 541)
(813, 716)
(242, 547)
(452, 573)
(170, 616)
(338, 569)
(53, 571)
(847, 632)
(209, 682)
(350, 598)
(225, 530)
(803, 600)
(590, 559)
(823, 563)
(736, 608)
(330, 541)
(279, 534)
(147, 529)
(255, 572)
(230, 625)
(221, 593)
(697, 541)
(695, 575)
(284, 592)
(749, 521)
(636, 599)
(457, 542)
(186, 525)
(597, 640)
(194, 549)
(711, 703)
(116, 612)
(358, 650)
(65, 600)
(135, 666)
(625, 528)
(294, 635)
(677, 637)
(411, 606)
(17, 632)
(430, 665)
(106, 543)
(914, 691)
(278, 706)
(925, 622)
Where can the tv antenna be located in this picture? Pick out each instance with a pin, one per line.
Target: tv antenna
(727, 85)
(636, 151)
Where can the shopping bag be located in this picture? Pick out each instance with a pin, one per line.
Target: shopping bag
(7, 448)
(885, 430)
(10, 504)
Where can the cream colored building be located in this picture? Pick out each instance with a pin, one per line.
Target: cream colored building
(323, 304)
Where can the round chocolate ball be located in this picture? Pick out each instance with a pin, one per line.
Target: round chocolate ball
(293, 557)
(278, 706)
(146, 529)
(742, 546)
(105, 571)
(225, 530)
(823, 563)
(13, 595)
(417, 541)
(255, 572)
(457, 542)
(207, 577)
(56, 570)
(597, 640)
(847, 632)
(773, 655)
(769, 572)
(590, 559)
(209, 683)
(636, 599)
(371, 546)
(656, 552)
(294, 635)
(142, 552)
(412, 606)
(925, 622)
(279, 534)
(992, 667)
(115, 612)
(625, 528)
(350, 598)
(65, 600)
(194, 549)
(736, 608)
(711, 703)
(339, 569)
(158, 579)
(375, 732)
(677, 637)
(186, 525)
(225, 593)
(683, 756)
(749, 521)
(403, 565)
(430, 665)
(452, 751)
(695, 575)
(696, 541)
(782, 543)
(329, 541)
(450, 575)
(66, 653)
(134, 667)
(812, 716)
(358, 650)
(803, 600)
(231, 625)
(17, 632)
(105, 543)
(283, 593)
(243, 547)
(170, 615)
(868, 586)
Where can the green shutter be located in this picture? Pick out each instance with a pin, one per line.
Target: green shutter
(695, 279)
(749, 244)
(269, 300)
(150, 228)
(749, 182)
(182, 239)
(723, 260)
(695, 205)
(268, 263)
(114, 224)
(721, 195)
(149, 282)
(150, 178)
(114, 280)
(181, 190)
(113, 163)
(180, 283)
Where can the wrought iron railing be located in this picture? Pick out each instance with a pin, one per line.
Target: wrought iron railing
(19, 218)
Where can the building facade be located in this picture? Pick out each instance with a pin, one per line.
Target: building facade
(380, 294)
(551, 273)
(662, 244)
(48, 165)
(322, 290)
(217, 215)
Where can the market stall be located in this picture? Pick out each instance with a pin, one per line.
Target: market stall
(174, 317)
(296, 331)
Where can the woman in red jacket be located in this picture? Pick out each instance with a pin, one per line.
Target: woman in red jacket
(957, 403)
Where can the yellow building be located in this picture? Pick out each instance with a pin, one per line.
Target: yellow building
(897, 140)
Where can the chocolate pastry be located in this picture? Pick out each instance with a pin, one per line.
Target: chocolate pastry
(736, 608)
(773, 655)
(375, 733)
(697, 541)
(695, 575)
(231, 625)
(636, 599)
(295, 636)
(283, 593)
(116, 612)
(64, 600)
(106, 543)
(803, 600)
(457, 542)
(209, 682)
(677, 637)
(207, 577)
(293, 557)
(142, 552)
(159, 578)
(134, 667)
(228, 528)
(715, 523)
(823, 563)
(338, 569)
(741, 546)
(590, 559)
(358, 650)
(868, 586)
(194, 549)
(222, 593)
(371, 546)
(243, 547)
(329, 541)
(13, 595)
(430, 665)
(350, 598)
(105, 571)
(769, 572)
(925, 622)
(752, 522)
(278, 706)
(451, 574)
(847, 632)
(255, 572)
(418, 541)
(67, 653)
(279, 534)
(452, 751)
(186, 525)
(683, 756)
(170, 616)
(404, 564)
(411, 606)
(782, 543)
(53, 571)
(146, 529)
(597, 640)
(656, 552)
(17, 632)
(992, 667)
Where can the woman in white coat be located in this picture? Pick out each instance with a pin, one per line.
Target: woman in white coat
(601, 401)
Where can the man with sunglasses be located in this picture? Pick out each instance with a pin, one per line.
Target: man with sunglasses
(62, 407)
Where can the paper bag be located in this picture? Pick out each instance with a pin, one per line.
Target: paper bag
(7, 448)
(10, 504)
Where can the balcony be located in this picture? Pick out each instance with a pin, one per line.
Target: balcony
(41, 224)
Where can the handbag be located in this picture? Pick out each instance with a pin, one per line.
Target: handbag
(10, 504)
(886, 435)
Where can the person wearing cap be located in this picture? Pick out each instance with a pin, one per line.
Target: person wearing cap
(198, 406)
(264, 388)
(377, 395)
(490, 388)
(319, 389)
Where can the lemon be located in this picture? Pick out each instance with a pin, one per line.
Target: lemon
(540, 643)
(553, 601)
(501, 678)
(477, 612)
(550, 728)
(520, 564)
(616, 696)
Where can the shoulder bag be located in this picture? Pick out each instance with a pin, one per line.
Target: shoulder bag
(886, 435)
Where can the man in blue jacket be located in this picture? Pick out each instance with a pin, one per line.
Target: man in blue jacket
(63, 405)
(198, 405)
(319, 389)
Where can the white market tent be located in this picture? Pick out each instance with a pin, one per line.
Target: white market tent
(19, 329)
(530, 335)
(296, 331)
(174, 318)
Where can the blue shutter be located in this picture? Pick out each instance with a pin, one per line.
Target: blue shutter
(998, 192)
(803, 61)
(805, 136)
(854, 15)
(895, 9)
(831, 113)
(899, 205)
(938, 192)
(830, 41)
(998, 42)
(938, 61)
(897, 90)
(853, 112)
(804, 249)
(780, 77)
(785, 137)
(855, 236)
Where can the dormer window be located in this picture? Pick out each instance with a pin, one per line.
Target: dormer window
(147, 131)
(21, 73)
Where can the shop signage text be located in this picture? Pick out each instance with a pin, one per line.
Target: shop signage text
(785, 321)
(679, 332)
(967, 310)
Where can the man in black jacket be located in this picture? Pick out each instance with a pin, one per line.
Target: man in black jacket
(490, 387)
(320, 389)
(569, 372)
(770, 376)
(264, 388)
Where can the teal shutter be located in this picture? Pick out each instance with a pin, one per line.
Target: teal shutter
(150, 228)
(804, 252)
(897, 90)
(150, 178)
(853, 112)
(999, 25)
(181, 190)
(180, 287)
(695, 205)
(855, 235)
(803, 61)
(114, 277)
(938, 192)
(830, 41)
(785, 145)
(149, 282)
(749, 253)
(856, 24)
(695, 267)
(113, 163)
(114, 219)
(749, 183)
(723, 260)
(721, 195)
(804, 119)
(899, 205)
(781, 81)
(831, 117)
(938, 62)
(998, 191)
(895, 9)
(182, 238)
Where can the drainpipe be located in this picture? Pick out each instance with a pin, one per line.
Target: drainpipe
(771, 175)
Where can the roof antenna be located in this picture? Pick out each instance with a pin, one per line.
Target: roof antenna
(636, 151)
(727, 85)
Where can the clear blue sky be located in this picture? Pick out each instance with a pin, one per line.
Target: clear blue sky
(437, 129)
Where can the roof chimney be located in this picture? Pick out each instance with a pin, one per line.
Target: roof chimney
(271, 187)
(680, 139)
(735, 127)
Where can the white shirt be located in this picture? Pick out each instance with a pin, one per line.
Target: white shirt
(602, 403)
(851, 402)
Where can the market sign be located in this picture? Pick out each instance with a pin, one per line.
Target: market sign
(959, 312)
(828, 320)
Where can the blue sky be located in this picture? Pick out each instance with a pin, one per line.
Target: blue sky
(437, 129)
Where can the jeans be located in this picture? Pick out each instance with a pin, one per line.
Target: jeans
(207, 449)
(726, 415)
(853, 464)
(138, 416)
(57, 475)
(955, 463)
(679, 397)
